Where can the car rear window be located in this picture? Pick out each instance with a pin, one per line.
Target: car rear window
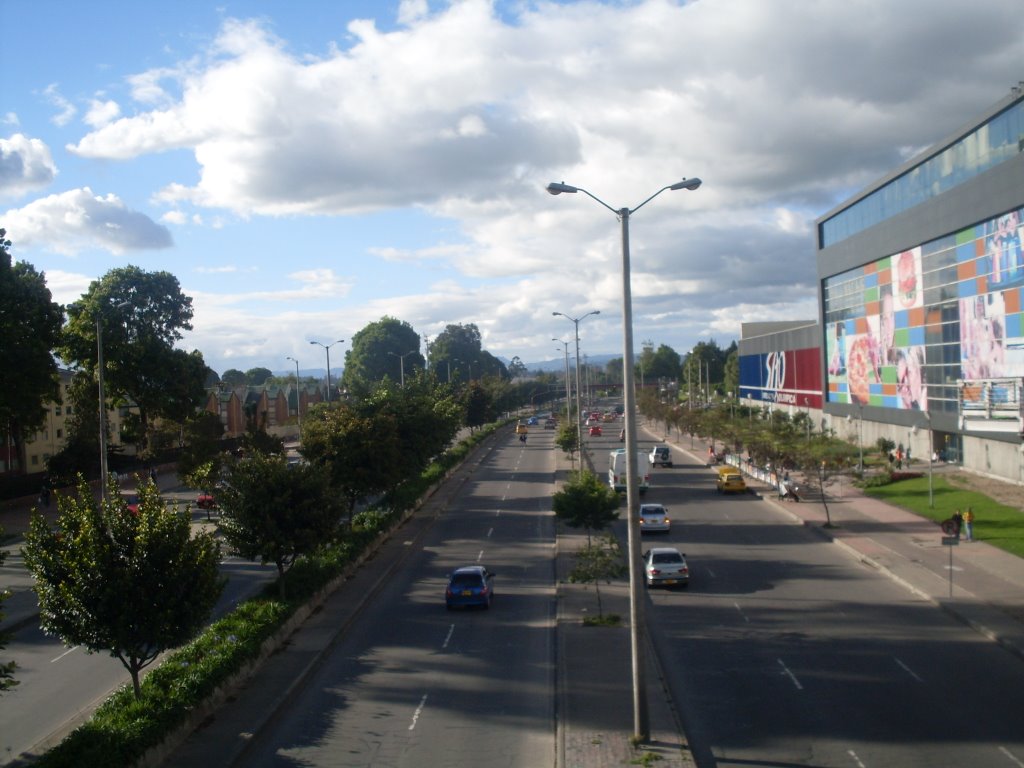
(466, 580)
(667, 557)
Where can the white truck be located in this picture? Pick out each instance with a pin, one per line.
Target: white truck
(617, 471)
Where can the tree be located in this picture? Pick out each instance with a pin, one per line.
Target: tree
(276, 513)
(384, 348)
(586, 502)
(30, 326)
(142, 315)
(233, 377)
(568, 439)
(516, 368)
(131, 584)
(822, 457)
(478, 405)
(596, 562)
(7, 680)
(257, 377)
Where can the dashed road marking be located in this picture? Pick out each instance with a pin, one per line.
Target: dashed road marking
(909, 671)
(418, 712)
(791, 676)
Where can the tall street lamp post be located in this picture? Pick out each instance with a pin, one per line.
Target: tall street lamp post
(401, 363)
(568, 387)
(298, 394)
(579, 413)
(641, 726)
(327, 348)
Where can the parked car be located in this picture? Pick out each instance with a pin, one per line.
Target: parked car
(666, 567)
(470, 585)
(595, 431)
(660, 456)
(654, 519)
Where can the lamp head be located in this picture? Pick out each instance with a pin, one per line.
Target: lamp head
(690, 184)
(557, 188)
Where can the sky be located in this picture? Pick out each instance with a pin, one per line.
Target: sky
(306, 168)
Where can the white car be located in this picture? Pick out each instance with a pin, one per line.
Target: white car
(660, 456)
(666, 567)
(654, 519)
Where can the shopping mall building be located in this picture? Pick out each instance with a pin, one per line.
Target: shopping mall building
(920, 334)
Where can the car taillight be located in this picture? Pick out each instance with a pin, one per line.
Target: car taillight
(655, 571)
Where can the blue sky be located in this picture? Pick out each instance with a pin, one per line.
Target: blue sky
(306, 168)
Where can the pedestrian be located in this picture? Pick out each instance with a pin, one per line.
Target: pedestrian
(152, 474)
(969, 524)
(958, 522)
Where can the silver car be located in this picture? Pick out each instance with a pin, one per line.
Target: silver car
(654, 519)
(666, 567)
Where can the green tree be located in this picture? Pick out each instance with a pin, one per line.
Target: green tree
(81, 452)
(131, 584)
(586, 502)
(142, 315)
(30, 326)
(822, 458)
(479, 405)
(257, 377)
(596, 562)
(276, 513)
(568, 439)
(382, 349)
(233, 377)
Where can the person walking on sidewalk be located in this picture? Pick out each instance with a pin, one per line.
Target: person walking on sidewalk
(958, 522)
(969, 524)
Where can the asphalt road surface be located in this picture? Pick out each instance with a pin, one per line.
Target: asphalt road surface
(785, 651)
(411, 684)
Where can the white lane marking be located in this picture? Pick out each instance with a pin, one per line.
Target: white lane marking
(711, 573)
(489, 532)
(909, 671)
(856, 759)
(497, 513)
(418, 712)
(791, 675)
(480, 556)
(69, 650)
(745, 617)
(448, 637)
(1010, 756)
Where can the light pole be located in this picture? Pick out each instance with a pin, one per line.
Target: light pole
(568, 388)
(327, 348)
(579, 413)
(401, 363)
(103, 401)
(298, 394)
(931, 450)
(641, 726)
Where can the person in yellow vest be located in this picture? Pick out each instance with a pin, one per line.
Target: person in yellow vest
(969, 524)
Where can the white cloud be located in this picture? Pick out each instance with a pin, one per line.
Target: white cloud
(26, 165)
(101, 113)
(9, 118)
(67, 109)
(78, 220)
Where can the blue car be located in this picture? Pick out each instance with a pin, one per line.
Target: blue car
(532, 421)
(469, 586)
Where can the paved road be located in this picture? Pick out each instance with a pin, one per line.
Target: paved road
(786, 650)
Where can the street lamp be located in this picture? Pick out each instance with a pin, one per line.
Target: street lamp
(327, 348)
(641, 726)
(298, 394)
(401, 363)
(579, 413)
(568, 388)
(102, 398)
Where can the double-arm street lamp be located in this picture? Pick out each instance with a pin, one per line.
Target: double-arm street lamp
(327, 348)
(641, 726)
(579, 413)
(298, 393)
(401, 363)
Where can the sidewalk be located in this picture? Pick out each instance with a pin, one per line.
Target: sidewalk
(987, 587)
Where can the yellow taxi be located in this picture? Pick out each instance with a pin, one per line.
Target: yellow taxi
(730, 481)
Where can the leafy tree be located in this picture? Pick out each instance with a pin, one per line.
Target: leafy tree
(7, 680)
(377, 352)
(479, 405)
(202, 434)
(586, 502)
(823, 457)
(596, 562)
(458, 349)
(516, 368)
(568, 439)
(276, 513)
(257, 377)
(361, 453)
(30, 326)
(81, 452)
(142, 315)
(131, 584)
(233, 377)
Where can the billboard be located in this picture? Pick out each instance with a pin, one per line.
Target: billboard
(787, 377)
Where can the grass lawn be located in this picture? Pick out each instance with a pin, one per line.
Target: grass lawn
(994, 523)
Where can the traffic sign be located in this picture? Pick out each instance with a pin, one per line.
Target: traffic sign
(950, 541)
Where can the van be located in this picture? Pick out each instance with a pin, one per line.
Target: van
(730, 481)
(617, 471)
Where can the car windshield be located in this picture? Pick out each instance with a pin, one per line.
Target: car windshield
(655, 512)
(667, 557)
(466, 580)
